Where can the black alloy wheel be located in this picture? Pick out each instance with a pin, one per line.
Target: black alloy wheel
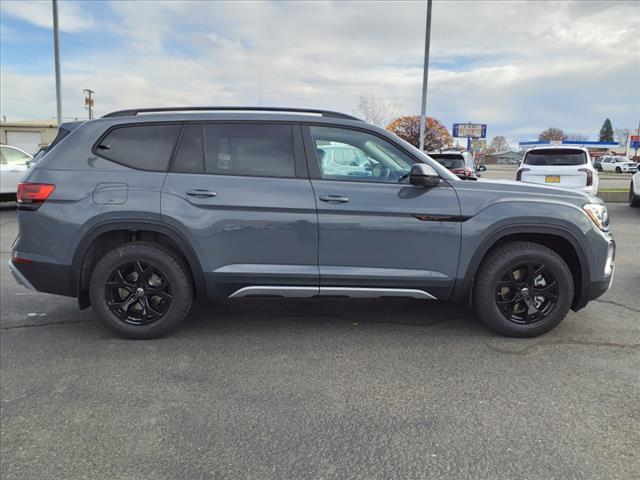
(138, 293)
(526, 294)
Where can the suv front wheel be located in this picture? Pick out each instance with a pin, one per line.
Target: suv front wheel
(523, 289)
(140, 290)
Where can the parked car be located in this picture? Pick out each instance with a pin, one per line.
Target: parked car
(597, 163)
(561, 166)
(618, 164)
(634, 190)
(147, 210)
(340, 159)
(14, 163)
(460, 163)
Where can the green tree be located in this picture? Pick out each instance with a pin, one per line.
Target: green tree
(606, 132)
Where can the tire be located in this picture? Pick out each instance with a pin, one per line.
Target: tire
(633, 200)
(495, 291)
(618, 170)
(141, 290)
(599, 168)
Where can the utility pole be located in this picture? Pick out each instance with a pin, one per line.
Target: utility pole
(56, 51)
(88, 101)
(425, 76)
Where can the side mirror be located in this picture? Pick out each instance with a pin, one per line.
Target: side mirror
(482, 168)
(423, 175)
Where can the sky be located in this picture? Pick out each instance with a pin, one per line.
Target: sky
(520, 67)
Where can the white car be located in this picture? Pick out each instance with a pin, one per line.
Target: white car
(14, 164)
(618, 165)
(559, 166)
(634, 190)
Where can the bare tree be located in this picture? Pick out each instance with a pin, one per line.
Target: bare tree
(622, 136)
(576, 137)
(499, 144)
(375, 110)
(552, 133)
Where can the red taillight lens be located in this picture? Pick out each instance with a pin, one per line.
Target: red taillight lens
(519, 173)
(589, 176)
(458, 171)
(32, 195)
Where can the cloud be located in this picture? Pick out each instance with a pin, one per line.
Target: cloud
(71, 15)
(516, 66)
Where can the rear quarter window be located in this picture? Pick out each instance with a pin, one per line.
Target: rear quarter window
(557, 157)
(144, 147)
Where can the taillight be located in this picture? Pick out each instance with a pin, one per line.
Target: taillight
(462, 171)
(32, 195)
(519, 173)
(589, 176)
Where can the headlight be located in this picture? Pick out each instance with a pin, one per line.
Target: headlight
(598, 214)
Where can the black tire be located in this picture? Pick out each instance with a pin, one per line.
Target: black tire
(633, 200)
(491, 275)
(599, 168)
(618, 170)
(163, 306)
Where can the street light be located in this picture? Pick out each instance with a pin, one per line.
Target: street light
(56, 52)
(425, 76)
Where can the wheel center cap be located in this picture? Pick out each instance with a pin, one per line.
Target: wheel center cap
(525, 294)
(139, 292)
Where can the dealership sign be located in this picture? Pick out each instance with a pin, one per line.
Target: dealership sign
(469, 130)
(635, 141)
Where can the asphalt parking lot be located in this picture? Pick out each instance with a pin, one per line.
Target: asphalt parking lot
(292, 389)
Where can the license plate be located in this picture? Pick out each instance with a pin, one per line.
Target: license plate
(552, 179)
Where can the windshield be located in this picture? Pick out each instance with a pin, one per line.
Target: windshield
(555, 158)
(448, 160)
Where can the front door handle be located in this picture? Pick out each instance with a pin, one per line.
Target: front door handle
(200, 193)
(334, 198)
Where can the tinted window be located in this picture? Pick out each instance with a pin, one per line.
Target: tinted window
(249, 149)
(345, 154)
(190, 153)
(146, 147)
(556, 157)
(448, 160)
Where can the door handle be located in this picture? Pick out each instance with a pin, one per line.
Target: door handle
(201, 193)
(334, 198)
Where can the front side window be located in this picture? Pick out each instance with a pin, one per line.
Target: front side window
(144, 147)
(345, 154)
(11, 156)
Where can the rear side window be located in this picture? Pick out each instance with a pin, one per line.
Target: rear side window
(236, 149)
(449, 160)
(557, 157)
(145, 147)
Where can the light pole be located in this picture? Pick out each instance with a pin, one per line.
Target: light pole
(425, 76)
(56, 51)
(88, 101)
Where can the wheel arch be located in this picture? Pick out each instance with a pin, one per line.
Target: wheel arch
(107, 233)
(558, 239)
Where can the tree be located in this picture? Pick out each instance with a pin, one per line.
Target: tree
(576, 137)
(606, 132)
(499, 144)
(407, 127)
(622, 136)
(375, 110)
(552, 134)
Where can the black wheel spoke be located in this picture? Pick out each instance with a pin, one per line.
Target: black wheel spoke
(526, 293)
(141, 302)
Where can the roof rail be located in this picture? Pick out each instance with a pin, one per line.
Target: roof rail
(137, 111)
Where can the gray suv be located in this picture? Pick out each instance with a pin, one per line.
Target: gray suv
(141, 212)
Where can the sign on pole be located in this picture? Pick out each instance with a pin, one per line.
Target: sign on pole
(634, 142)
(469, 130)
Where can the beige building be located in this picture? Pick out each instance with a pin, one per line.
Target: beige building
(29, 135)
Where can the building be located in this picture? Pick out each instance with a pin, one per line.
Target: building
(504, 158)
(29, 135)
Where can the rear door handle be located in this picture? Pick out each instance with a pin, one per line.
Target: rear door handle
(334, 198)
(201, 193)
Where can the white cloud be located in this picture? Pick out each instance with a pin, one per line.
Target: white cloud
(71, 16)
(517, 66)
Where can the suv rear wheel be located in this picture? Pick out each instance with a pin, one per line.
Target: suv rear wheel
(523, 289)
(140, 290)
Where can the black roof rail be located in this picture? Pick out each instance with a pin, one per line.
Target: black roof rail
(137, 111)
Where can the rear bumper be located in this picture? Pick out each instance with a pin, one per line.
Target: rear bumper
(43, 277)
